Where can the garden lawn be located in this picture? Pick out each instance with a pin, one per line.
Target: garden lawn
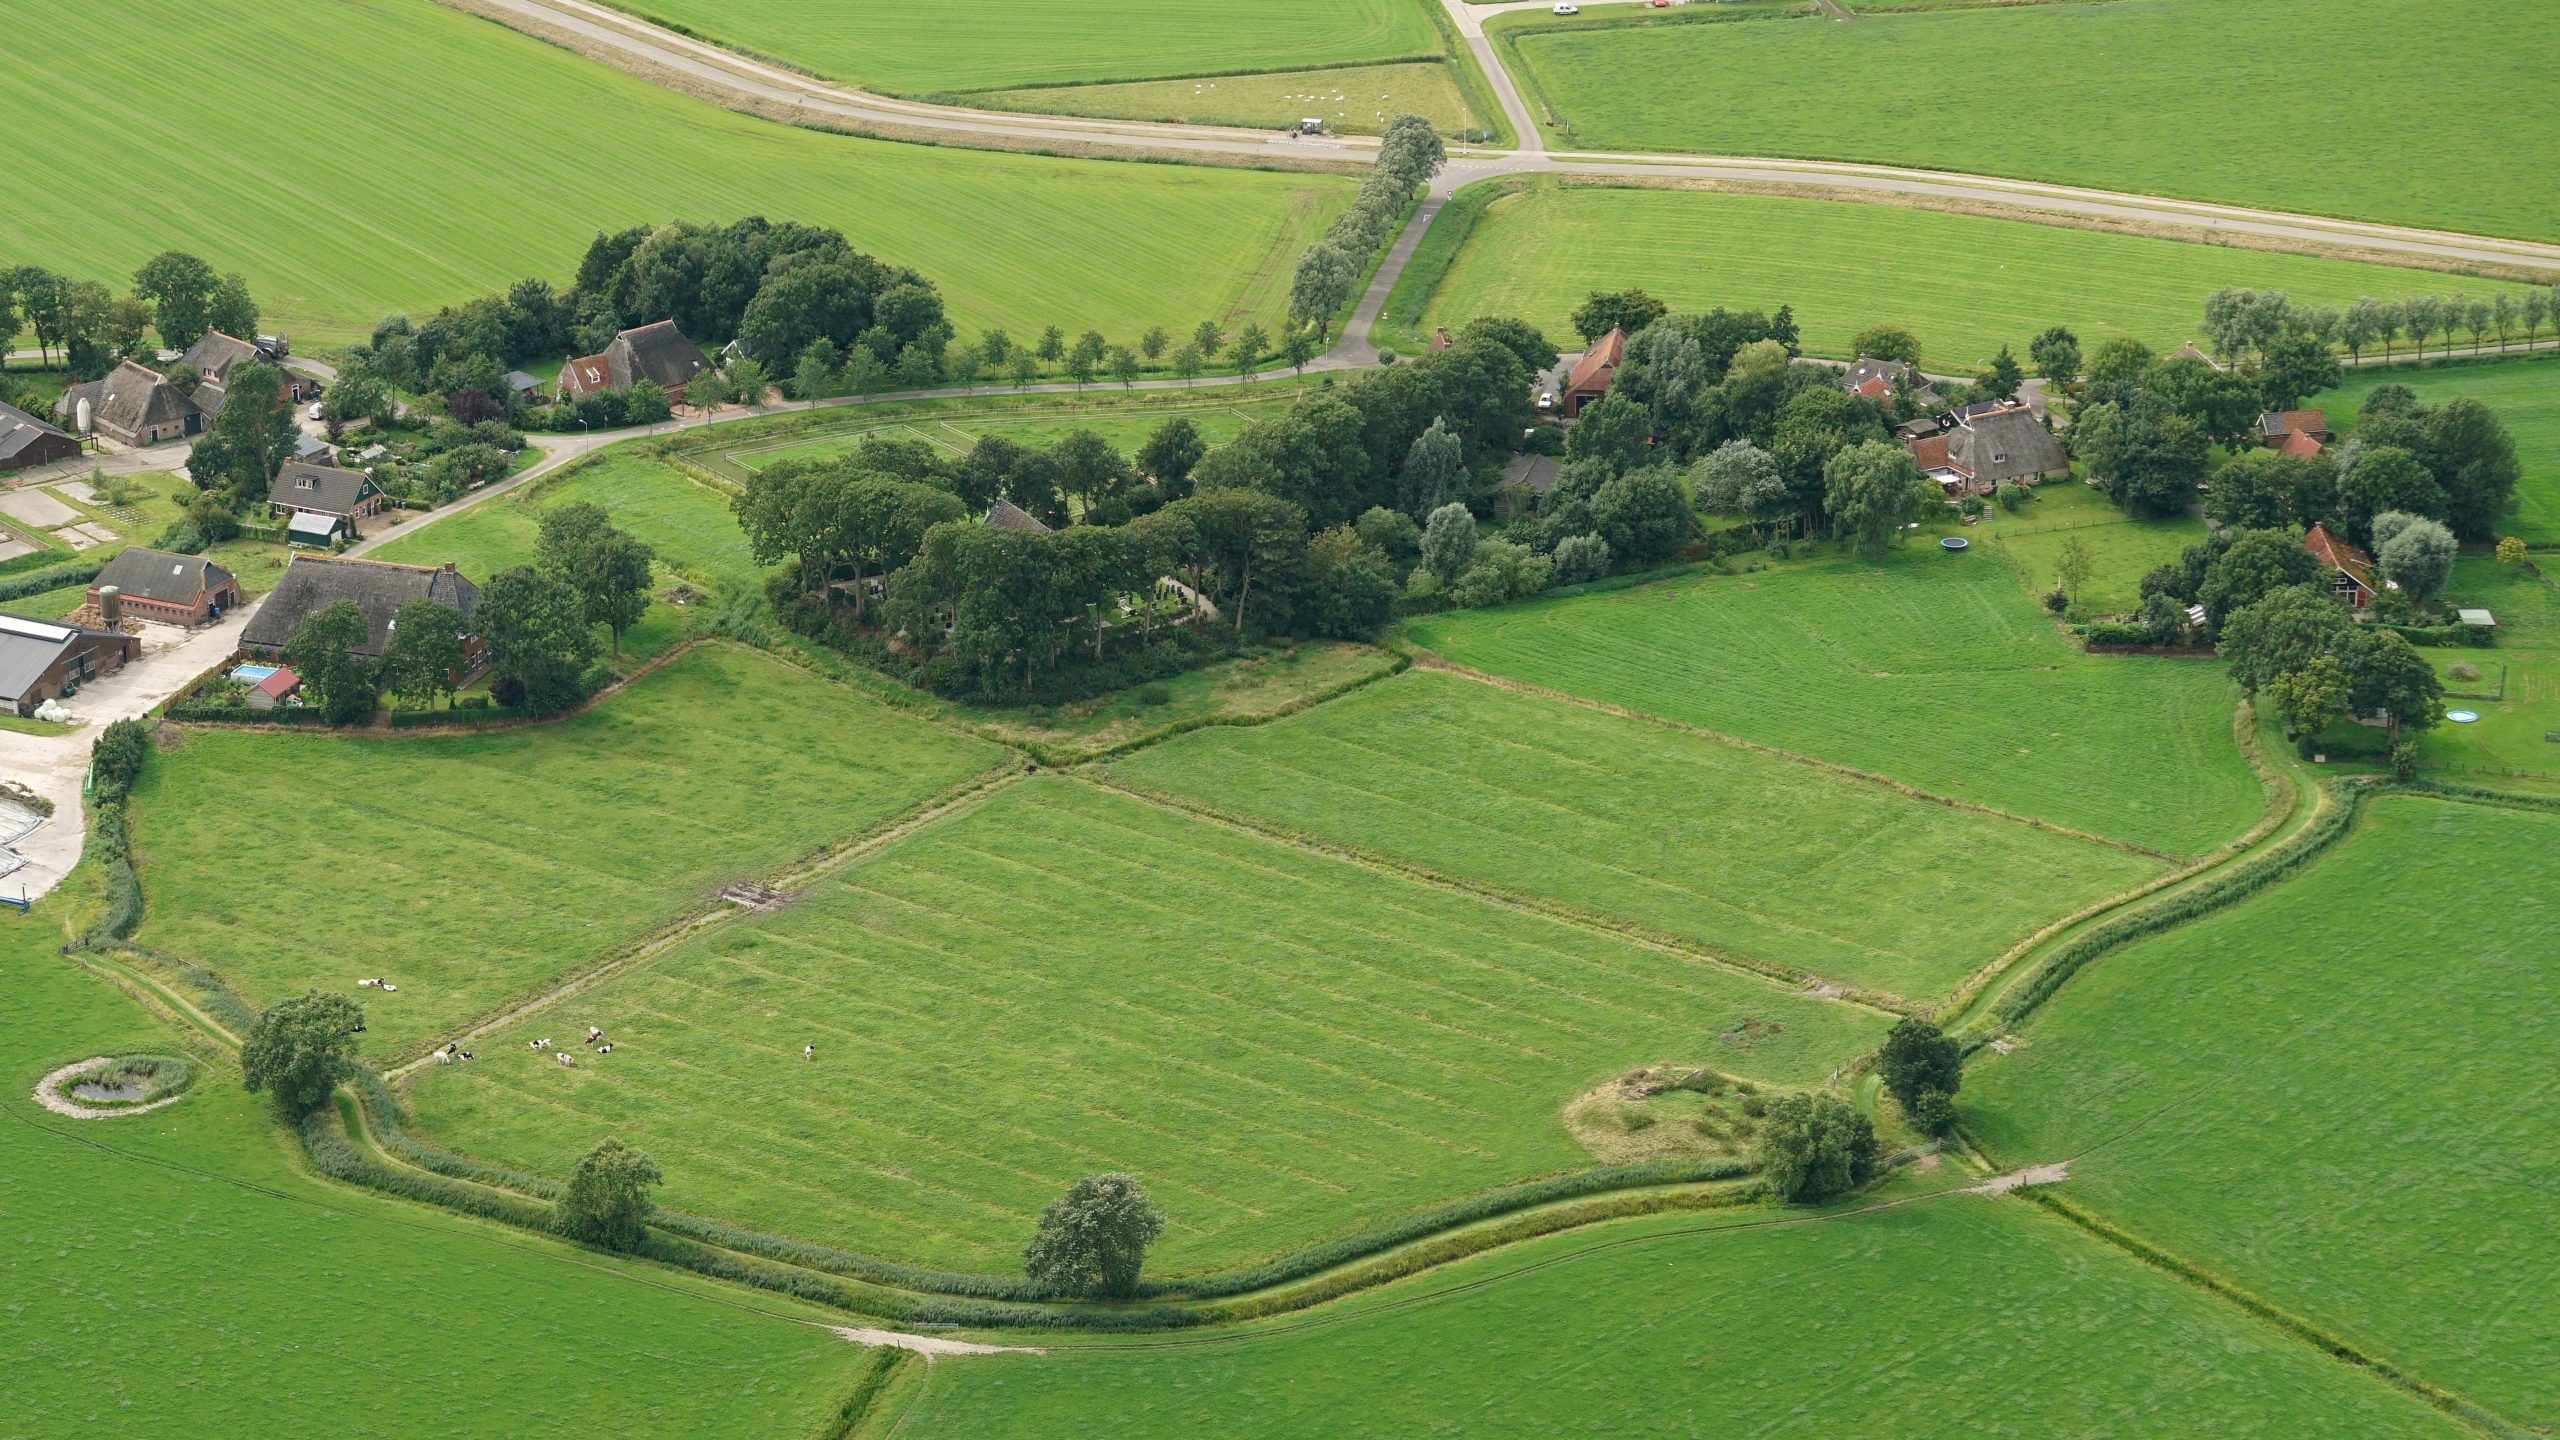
(175, 1274)
(2252, 102)
(1934, 670)
(472, 869)
(2514, 734)
(978, 44)
(1350, 102)
(1964, 284)
(686, 522)
(1283, 1046)
(2122, 549)
(2526, 396)
(439, 212)
(1954, 1317)
(1123, 417)
(2338, 1095)
(1784, 863)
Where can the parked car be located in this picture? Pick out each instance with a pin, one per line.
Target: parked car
(315, 411)
(1568, 9)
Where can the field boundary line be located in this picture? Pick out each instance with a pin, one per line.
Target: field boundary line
(2284, 796)
(2454, 1405)
(1427, 660)
(1882, 1002)
(716, 913)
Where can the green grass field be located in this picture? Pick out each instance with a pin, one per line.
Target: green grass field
(176, 1274)
(2252, 102)
(2338, 1095)
(2123, 548)
(439, 212)
(980, 44)
(2526, 395)
(1937, 671)
(1965, 284)
(1953, 1317)
(1686, 836)
(471, 869)
(1359, 101)
(688, 524)
(963, 424)
(1062, 981)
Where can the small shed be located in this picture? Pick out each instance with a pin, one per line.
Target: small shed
(311, 528)
(277, 687)
(2480, 618)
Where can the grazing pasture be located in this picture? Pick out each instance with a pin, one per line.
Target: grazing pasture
(1351, 102)
(2526, 395)
(2122, 548)
(978, 44)
(443, 212)
(175, 1274)
(2250, 102)
(2337, 1094)
(688, 524)
(1729, 848)
(1937, 671)
(1965, 284)
(1954, 1317)
(470, 869)
(1062, 981)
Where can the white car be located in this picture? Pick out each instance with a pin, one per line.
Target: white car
(1568, 9)
(315, 410)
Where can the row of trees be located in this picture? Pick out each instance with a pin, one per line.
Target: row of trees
(175, 294)
(2241, 325)
(1409, 154)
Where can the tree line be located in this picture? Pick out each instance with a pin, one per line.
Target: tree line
(1409, 154)
(175, 295)
(2241, 325)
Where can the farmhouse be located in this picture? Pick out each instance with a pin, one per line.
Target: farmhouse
(40, 660)
(1989, 445)
(1593, 372)
(214, 353)
(170, 588)
(326, 492)
(132, 406)
(378, 587)
(26, 440)
(1005, 515)
(2351, 570)
(2277, 426)
(1881, 380)
(657, 353)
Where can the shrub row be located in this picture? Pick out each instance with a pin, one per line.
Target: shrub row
(467, 715)
(204, 712)
(324, 1138)
(2213, 895)
(36, 582)
(2476, 637)
(211, 994)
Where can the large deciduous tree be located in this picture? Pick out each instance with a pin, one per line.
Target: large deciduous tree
(180, 288)
(607, 566)
(1813, 1147)
(322, 652)
(535, 628)
(1093, 1239)
(425, 651)
(297, 1050)
(1871, 492)
(607, 1202)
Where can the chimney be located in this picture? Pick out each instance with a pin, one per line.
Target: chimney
(448, 567)
(110, 606)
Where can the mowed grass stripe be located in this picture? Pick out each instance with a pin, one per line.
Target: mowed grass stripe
(2337, 1094)
(440, 212)
(1065, 980)
(472, 869)
(1845, 265)
(1935, 671)
(1951, 1317)
(2251, 102)
(1711, 843)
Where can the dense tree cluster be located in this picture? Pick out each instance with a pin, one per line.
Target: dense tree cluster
(1093, 1240)
(1813, 1147)
(1409, 154)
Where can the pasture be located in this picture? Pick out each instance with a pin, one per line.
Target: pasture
(984, 44)
(955, 426)
(1263, 682)
(1351, 102)
(2250, 102)
(2525, 393)
(1957, 1316)
(1283, 1046)
(2336, 1094)
(470, 869)
(1965, 284)
(2122, 548)
(440, 213)
(1736, 850)
(176, 1274)
(688, 524)
(1933, 670)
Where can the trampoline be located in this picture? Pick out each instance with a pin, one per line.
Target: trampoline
(1952, 542)
(2462, 717)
